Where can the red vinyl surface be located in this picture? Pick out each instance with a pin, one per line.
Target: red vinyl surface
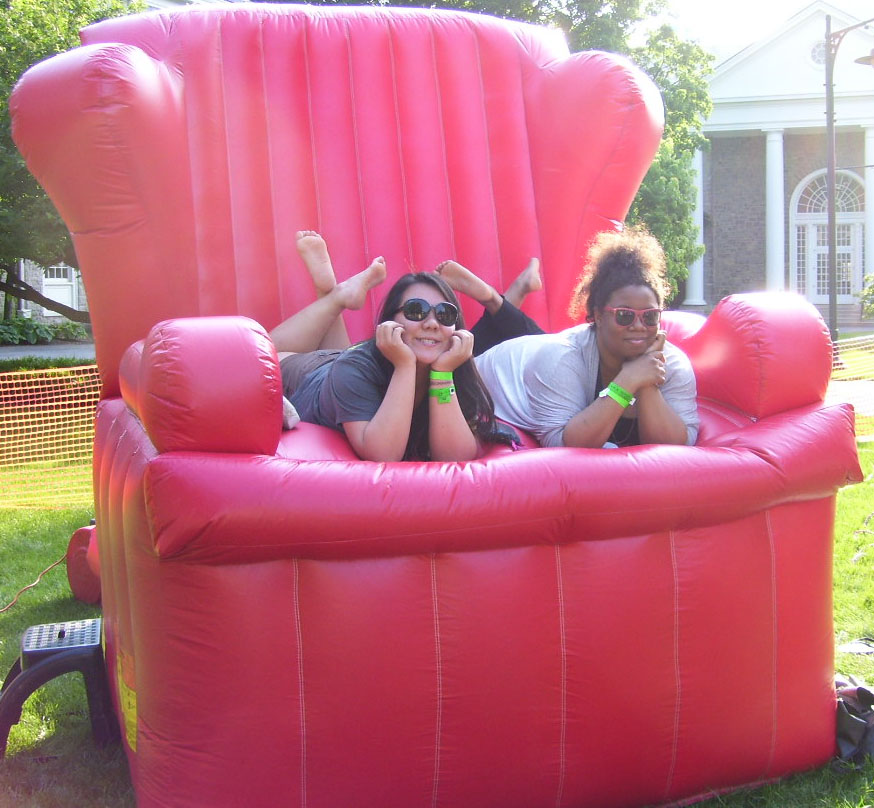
(288, 625)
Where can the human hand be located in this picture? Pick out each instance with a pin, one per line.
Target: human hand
(459, 351)
(658, 343)
(646, 370)
(390, 343)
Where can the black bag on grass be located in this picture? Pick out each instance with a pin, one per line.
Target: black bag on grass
(855, 722)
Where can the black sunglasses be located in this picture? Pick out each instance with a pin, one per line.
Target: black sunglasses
(416, 309)
(625, 316)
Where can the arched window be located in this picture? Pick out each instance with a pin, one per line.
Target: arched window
(809, 227)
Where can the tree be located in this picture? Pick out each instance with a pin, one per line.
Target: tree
(666, 200)
(867, 296)
(32, 30)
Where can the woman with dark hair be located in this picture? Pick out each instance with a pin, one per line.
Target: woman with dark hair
(410, 392)
(612, 381)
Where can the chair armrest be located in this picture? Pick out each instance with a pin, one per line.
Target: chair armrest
(680, 325)
(762, 353)
(257, 509)
(206, 384)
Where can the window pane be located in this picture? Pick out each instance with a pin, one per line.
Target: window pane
(801, 259)
(822, 274)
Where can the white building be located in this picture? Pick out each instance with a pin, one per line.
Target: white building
(762, 202)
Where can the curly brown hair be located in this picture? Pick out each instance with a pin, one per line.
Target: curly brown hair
(629, 257)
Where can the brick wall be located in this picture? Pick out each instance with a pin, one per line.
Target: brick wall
(734, 201)
(804, 154)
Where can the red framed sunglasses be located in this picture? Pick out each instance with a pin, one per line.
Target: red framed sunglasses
(625, 317)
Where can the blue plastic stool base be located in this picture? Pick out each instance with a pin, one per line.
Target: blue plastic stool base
(51, 650)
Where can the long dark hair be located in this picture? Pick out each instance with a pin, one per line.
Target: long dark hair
(473, 396)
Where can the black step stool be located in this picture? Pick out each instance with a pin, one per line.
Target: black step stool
(51, 650)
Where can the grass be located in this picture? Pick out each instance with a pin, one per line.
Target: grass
(53, 763)
(51, 760)
(855, 363)
(42, 363)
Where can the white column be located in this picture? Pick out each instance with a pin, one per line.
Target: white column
(775, 220)
(869, 200)
(695, 281)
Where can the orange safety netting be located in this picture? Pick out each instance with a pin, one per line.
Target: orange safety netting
(47, 425)
(852, 380)
(46, 436)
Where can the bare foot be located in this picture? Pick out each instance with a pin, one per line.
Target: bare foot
(314, 251)
(352, 293)
(527, 281)
(461, 279)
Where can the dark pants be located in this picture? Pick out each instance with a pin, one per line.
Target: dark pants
(507, 323)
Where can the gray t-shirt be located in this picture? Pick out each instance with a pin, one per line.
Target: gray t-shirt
(350, 388)
(540, 382)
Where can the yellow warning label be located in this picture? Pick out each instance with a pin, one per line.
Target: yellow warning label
(127, 697)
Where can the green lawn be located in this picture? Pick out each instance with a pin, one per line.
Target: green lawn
(855, 363)
(52, 762)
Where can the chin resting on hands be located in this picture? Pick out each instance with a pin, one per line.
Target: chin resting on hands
(647, 370)
(459, 351)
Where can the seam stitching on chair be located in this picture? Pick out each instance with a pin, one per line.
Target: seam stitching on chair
(774, 630)
(301, 690)
(220, 59)
(277, 250)
(439, 665)
(441, 128)
(312, 123)
(355, 137)
(562, 743)
(400, 142)
(485, 120)
(530, 165)
(676, 650)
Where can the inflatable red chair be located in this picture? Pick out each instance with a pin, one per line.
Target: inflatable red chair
(288, 625)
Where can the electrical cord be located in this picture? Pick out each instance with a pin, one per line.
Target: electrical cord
(24, 589)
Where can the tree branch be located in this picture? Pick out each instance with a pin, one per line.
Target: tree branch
(24, 291)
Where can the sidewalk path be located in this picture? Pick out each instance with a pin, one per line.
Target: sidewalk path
(53, 350)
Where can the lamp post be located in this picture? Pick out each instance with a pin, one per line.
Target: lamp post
(833, 40)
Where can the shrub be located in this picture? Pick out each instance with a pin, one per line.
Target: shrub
(867, 295)
(67, 329)
(20, 329)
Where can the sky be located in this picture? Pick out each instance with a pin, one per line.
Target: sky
(724, 28)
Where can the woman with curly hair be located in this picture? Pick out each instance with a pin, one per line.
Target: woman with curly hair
(612, 381)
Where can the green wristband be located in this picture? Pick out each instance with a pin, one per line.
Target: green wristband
(619, 394)
(441, 375)
(442, 394)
